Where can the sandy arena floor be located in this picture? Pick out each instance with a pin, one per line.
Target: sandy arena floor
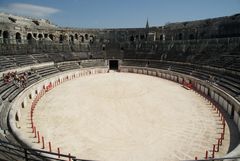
(126, 117)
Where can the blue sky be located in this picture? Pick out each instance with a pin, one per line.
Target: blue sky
(120, 13)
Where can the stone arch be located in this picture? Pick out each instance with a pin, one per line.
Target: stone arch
(131, 38)
(51, 36)
(82, 38)
(18, 37)
(5, 37)
(191, 37)
(5, 34)
(76, 36)
(137, 37)
(71, 38)
(40, 36)
(35, 35)
(29, 37)
(142, 37)
(61, 39)
(161, 37)
(45, 36)
(91, 37)
(180, 36)
(86, 36)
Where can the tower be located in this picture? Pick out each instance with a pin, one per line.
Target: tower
(147, 24)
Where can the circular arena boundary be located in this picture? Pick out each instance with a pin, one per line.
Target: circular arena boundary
(30, 96)
(219, 98)
(222, 101)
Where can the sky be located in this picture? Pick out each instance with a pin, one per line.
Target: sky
(120, 13)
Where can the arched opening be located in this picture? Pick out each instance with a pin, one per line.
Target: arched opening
(0, 33)
(103, 47)
(131, 38)
(161, 37)
(51, 36)
(86, 36)
(5, 37)
(180, 36)
(61, 39)
(142, 37)
(22, 104)
(91, 38)
(35, 35)
(18, 37)
(82, 38)
(16, 117)
(71, 39)
(30, 96)
(29, 36)
(40, 36)
(191, 36)
(76, 36)
(137, 37)
(45, 36)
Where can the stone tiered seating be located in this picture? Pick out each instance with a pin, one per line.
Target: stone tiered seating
(45, 71)
(6, 63)
(94, 63)
(182, 69)
(41, 58)
(160, 65)
(227, 82)
(5, 87)
(9, 92)
(68, 66)
(3, 116)
(22, 60)
(56, 57)
(135, 63)
(97, 55)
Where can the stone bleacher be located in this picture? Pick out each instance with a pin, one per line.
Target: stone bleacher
(41, 58)
(6, 63)
(68, 66)
(224, 80)
(48, 70)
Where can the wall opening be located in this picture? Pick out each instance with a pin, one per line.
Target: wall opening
(180, 36)
(16, 117)
(82, 38)
(29, 36)
(86, 36)
(30, 96)
(71, 40)
(113, 64)
(51, 36)
(5, 37)
(61, 39)
(40, 36)
(18, 37)
(191, 36)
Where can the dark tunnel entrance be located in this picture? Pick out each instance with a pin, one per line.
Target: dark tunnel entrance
(113, 64)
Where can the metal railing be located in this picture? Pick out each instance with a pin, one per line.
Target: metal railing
(217, 159)
(27, 154)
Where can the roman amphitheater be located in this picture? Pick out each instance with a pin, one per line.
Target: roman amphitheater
(162, 93)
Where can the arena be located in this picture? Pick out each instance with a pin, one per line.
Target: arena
(161, 93)
(117, 116)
